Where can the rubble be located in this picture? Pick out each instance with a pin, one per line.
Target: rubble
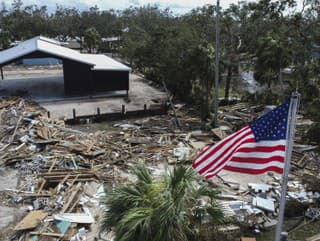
(62, 173)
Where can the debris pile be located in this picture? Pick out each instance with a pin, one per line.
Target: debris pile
(64, 172)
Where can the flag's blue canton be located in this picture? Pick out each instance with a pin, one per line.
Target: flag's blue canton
(273, 125)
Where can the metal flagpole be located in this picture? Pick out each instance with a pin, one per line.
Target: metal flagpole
(216, 82)
(291, 126)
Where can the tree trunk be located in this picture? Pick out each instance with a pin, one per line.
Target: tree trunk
(207, 98)
(228, 82)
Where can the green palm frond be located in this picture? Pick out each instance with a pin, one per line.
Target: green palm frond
(216, 213)
(165, 209)
(142, 173)
(135, 225)
(207, 191)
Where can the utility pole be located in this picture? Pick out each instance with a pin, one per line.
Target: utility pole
(216, 79)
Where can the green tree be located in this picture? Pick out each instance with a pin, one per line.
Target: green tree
(92, 39)
(166, 209)
(230, 43)
(65, 22)
(272, 55)
(4, 40)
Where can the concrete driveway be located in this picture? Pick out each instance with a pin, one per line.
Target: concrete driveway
(45, 85)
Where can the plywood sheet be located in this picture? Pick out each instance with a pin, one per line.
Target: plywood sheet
(31, 220)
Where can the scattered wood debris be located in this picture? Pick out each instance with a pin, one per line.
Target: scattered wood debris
(63, 172)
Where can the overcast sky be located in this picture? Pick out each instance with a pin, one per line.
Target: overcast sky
(177, 6)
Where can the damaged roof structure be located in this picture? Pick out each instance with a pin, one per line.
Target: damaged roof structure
(83, 73)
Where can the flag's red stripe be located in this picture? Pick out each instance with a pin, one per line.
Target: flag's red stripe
(254, 171)
(257, 160)
(222, 159)
(262, 148)
(217, 147)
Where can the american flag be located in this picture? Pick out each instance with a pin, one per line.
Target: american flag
(256, 148)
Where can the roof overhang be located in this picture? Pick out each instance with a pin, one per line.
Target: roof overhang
(52, 47)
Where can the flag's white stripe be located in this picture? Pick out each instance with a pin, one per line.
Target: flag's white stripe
(259, 154)
(234, 145)
(247, 165)
(265, 143)
(255, 165)
(210, 149)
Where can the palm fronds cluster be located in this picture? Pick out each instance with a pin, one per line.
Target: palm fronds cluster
(170, 208)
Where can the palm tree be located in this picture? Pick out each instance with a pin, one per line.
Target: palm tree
(164, 209)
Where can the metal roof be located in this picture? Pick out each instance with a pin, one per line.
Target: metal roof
(50, 46)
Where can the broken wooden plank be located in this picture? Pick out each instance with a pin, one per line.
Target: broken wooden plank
(58, 235)
(44, 181)
(15, 130)
(31, 220)
(44, 133)
(71, 198)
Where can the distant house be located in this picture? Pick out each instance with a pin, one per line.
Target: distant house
(73, 44)
(83, 73)
(110, 44)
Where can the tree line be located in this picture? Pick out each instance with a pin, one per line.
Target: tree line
(270, 38)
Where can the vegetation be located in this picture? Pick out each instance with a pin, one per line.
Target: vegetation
(162, 210)
(92, 39)
(275, 39)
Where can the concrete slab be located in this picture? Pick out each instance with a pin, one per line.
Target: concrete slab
(7, 216)
(37, 88)
(45, 85)
(8, 179)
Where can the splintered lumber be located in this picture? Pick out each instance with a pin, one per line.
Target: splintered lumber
(58, 235)
(74, 180)
(36, 195)
(15, 130)
(31, 220)
(76, 175)
(64, 179)
(44, 181)
(45, 172)
(44, 133)
(67, 176)
(77, 180)
(72, 198)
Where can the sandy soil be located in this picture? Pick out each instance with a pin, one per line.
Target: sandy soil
(244, 179)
